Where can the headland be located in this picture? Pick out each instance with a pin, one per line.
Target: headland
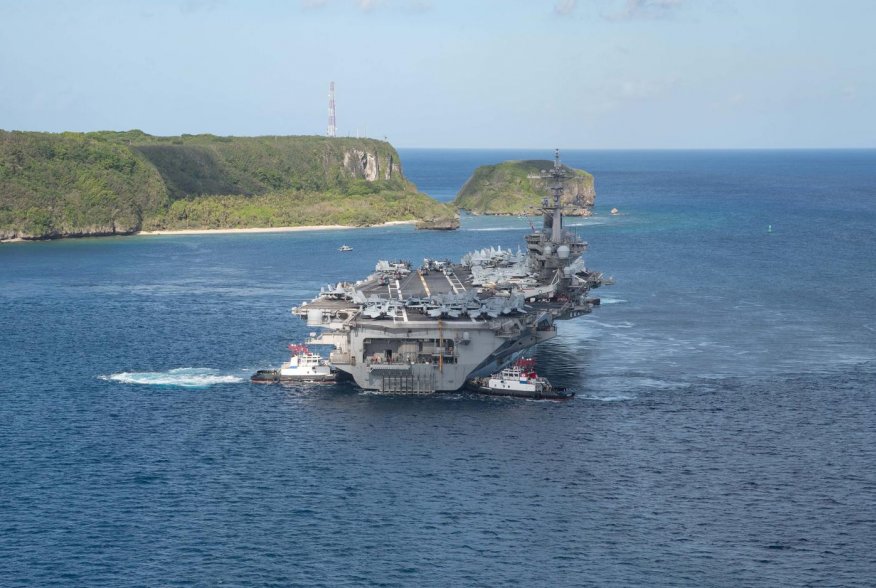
(57, 185)
(517, 188)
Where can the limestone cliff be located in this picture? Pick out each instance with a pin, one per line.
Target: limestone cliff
(78, 184)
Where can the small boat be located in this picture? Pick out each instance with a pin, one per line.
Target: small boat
(303, 366)
(521, 381)
(345, 248)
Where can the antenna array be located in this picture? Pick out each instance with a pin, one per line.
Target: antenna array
(332, 125)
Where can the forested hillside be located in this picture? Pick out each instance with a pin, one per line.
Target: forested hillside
(73, 184)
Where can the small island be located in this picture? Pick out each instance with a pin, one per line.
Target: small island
(517, 188)
(55, 185)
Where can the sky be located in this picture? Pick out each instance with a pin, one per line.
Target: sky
(580, 74)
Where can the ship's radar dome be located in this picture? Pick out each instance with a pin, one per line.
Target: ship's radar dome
(548, 250)
(563, 252)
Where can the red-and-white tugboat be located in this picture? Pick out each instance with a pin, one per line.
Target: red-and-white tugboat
(303, 366)
(520, 380)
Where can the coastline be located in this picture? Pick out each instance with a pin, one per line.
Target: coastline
(269, 229)
(228, 231)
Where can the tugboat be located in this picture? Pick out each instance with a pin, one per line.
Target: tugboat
(303, 366)
(344, 248)
(521, 381)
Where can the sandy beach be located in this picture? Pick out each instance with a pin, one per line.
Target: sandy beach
(229, 231)
(268, 229)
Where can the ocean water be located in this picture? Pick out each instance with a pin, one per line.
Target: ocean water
(723, 433)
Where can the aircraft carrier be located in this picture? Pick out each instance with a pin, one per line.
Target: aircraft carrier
(426, 329)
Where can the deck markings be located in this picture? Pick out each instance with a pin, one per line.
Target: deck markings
(395, 291)
(425, 286)
(455, 291)
(404, 313)
(457, 286)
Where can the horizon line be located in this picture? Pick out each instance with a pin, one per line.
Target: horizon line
(494, 148)
(644, 148)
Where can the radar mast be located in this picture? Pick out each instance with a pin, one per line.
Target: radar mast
(553, 211)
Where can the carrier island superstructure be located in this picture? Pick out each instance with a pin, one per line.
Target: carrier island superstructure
(409, 330)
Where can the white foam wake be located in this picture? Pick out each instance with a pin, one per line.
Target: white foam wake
(585, 223)
(491, 229)
(182, 377)
(612, 300)
(609, 398)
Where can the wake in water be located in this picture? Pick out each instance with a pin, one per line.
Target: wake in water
(612, 301)
(492, 229)
(606, 398)
(179, 377)
(589, 222)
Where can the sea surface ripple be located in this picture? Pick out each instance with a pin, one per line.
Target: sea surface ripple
(723, 432)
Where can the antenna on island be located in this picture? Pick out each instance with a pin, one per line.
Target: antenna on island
(553, 212)
(332, 125)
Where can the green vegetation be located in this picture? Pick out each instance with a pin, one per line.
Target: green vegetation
(73, 184)
(516, 188)
(288, 209)
(70, 184)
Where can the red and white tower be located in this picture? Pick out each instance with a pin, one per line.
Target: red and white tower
(332, 126)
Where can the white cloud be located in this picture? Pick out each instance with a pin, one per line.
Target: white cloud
(312, 4)
(646, 9)
(193, 6)
(370, 6)
(850, 92)
(417, 6)
(564, 7)
(644, 89)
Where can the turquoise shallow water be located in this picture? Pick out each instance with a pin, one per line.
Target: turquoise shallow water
(723, 431)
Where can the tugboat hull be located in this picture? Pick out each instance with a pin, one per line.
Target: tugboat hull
(275, 377)
(303, 366)
(481, 386)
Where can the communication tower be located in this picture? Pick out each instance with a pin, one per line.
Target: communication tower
(332, 126)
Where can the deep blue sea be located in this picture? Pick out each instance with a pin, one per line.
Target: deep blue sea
(723, 433)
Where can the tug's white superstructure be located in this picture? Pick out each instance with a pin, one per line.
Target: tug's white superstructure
(306, 365)
(303, 366)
